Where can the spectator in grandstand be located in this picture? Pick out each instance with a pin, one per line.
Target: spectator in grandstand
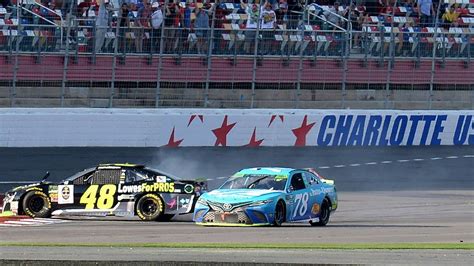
(426, 12)
(253, 14)
(356, 19)
(333, 15)
(124, 22)
(295, 10)
(185, 27)
(83, 7)
(450, 16)
(172, 24)
(201, 26)
(156, 21)
(101, 24)
(267, 24)
(144, 16)
(5, 3)
(282, 13)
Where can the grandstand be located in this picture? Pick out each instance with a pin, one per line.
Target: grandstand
(232, 54)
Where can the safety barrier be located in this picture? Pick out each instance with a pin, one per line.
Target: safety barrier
(232, 127)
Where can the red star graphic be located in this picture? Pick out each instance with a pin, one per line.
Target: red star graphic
(282, 117)
(201, 117)
(221, 133)
(172, 142)
(253, 142)
(302, 131)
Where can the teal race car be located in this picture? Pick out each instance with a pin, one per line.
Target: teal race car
(268, 196)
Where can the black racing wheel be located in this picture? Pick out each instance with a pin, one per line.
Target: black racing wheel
(323, 214)
(279, 213)
(37, 204)
(149, 207)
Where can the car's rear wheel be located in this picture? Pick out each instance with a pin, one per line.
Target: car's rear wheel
(37, 204)
(149, 207)
(323, 214)
(279, 213)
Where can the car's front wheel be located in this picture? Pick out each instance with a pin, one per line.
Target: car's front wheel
(279, 213)
(36, 204)
(323, 214)
(149, 207)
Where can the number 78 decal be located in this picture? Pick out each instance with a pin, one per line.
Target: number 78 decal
(301, 204)
(105, 200)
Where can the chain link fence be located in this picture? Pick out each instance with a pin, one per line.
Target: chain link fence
(388, 61)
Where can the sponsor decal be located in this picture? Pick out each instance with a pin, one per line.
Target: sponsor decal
(315, 209)
(150, 187)
(189, 188)
(65, 194)
(161, 179)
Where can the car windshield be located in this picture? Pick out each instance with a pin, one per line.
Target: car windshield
(270, 182)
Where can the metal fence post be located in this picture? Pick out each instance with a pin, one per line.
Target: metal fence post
(114, 63)
(255, 54)
(209, 54)
(433, 59)
(391, 55)
(15, 69)
(160, 57)
(66, 55)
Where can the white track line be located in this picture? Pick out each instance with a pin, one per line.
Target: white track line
(452, 157)
(418, 160)
(436, 158)
(324, 167)
(21, 222)
(468, 156)
(403, 161)
(339, 166)
(385, 162)
(10, 225)
(355, 164)
(371, 163)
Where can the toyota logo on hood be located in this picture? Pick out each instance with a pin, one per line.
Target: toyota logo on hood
(227, 206)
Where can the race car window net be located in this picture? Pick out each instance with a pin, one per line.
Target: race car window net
(106, 176)
(136, 175)
(297, 182)
(270, 182)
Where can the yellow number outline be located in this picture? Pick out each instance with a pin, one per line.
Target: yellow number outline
(105, 200)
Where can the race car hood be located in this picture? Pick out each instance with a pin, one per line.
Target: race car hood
(240, 195)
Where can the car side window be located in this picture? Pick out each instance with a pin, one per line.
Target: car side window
(311, 178)
(297, 181)
(105, 176)
(137, 175)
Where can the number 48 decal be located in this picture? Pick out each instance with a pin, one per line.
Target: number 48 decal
(105, 200)
(301, 204)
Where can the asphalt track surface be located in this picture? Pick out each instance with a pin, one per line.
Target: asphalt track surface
(387, 195)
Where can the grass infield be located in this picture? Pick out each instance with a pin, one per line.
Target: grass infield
(381, 246)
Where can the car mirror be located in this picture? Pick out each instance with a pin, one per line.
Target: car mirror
(289, 189)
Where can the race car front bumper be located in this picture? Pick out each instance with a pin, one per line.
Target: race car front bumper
(9, 203)
(247, 216)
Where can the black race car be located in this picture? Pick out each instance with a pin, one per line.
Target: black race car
(108, 189)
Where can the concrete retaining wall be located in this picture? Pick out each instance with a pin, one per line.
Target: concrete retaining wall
(65, 127)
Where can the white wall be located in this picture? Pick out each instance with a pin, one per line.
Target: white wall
(153, 127)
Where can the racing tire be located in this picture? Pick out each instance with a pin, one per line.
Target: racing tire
(149, 207)
(323, 214)
(279, 214)
(36, 204)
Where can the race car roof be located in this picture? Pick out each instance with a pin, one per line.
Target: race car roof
(267, 171)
